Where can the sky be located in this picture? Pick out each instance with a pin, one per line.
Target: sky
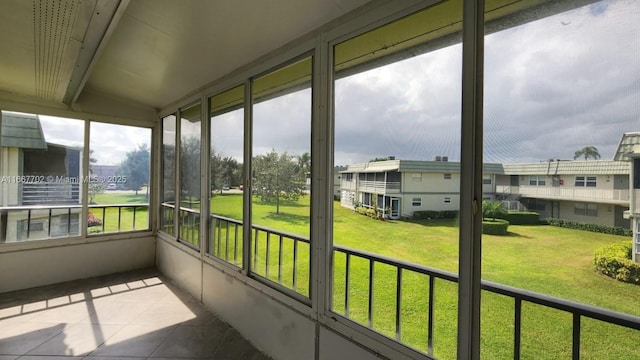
(110, 143)
(552, 86)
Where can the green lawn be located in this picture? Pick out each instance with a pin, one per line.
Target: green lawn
(544, 259)
(123, 220)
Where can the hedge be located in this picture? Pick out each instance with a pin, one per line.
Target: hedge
(605, 229)
(495, 227)
(432, 214)
(615, 261)
(521, 218)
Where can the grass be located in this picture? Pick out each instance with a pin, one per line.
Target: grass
(124, 221)
(549, 260)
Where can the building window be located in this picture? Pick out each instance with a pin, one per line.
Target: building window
(588, 181)
(416, 201)
(536, 205)
(537, 180)
(585, 209)
(447, 200)
(447, 176)
(486, 180)
(417, 177)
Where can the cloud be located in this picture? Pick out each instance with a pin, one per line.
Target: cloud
(552, 86)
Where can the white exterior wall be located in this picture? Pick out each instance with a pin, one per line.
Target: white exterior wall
(23, 268)
(429, 202)
(430, 182)
(606, 214)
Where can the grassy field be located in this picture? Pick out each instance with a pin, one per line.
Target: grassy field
(544, 259)
(123, 221)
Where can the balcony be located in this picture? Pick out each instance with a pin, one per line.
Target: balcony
(379, 187)
(586, 194)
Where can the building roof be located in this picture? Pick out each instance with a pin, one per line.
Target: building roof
(594, 167)
(629, 143)
(416, 166)
(21, 131)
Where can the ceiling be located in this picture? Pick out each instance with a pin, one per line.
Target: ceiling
(150, 52)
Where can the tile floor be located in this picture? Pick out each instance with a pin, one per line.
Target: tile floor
(127, 316)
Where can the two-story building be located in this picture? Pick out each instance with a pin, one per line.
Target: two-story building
(595, 191)
(584, 191)
(401, 187)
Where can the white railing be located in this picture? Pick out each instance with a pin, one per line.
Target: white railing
(566, 193)
(379, 187)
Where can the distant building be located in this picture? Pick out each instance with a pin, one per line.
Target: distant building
(36, 172)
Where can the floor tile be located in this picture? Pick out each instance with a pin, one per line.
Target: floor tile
(134, 340)
(77, 340)
(235, 347)
(127, 316)
(21, 338)
(192, 342)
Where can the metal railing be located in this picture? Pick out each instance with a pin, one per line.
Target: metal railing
(276, 255)
(189, 226)
(39, 222)
(50, 193)
(578, 311)
(270, 261)
(380, 187)
(566, 192)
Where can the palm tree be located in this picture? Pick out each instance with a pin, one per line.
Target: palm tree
(588, 152)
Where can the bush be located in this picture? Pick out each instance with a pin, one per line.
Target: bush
(92, 220)
(521, 217)
(432, 214)
(495, 227)
(605, 229)
(615, 261)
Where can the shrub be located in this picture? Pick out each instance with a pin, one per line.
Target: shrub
(495, 227)
(605, 229)
(615, 261)
(521, 217)
(92, 220)
(432, 214)
(493, 209)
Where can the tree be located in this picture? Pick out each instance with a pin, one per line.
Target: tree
(492, 209)
(95, 188)
(135, 168)
(379, 159)
(588, 152)
(277, 176)
(225, 171)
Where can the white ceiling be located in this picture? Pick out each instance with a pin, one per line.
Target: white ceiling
(151, 52)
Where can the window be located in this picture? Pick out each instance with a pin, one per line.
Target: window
(118, 178)
(486, 180)
(536, 204)
(47, 164)
(226, 188)
(588, 181)
(586, 209)
(447, 200)
(281, 173)
(189, 211)
(168, 208)
(534, 59)
(537, 180)
(384, 104)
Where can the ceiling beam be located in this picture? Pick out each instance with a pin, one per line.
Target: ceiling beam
(104, 20)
